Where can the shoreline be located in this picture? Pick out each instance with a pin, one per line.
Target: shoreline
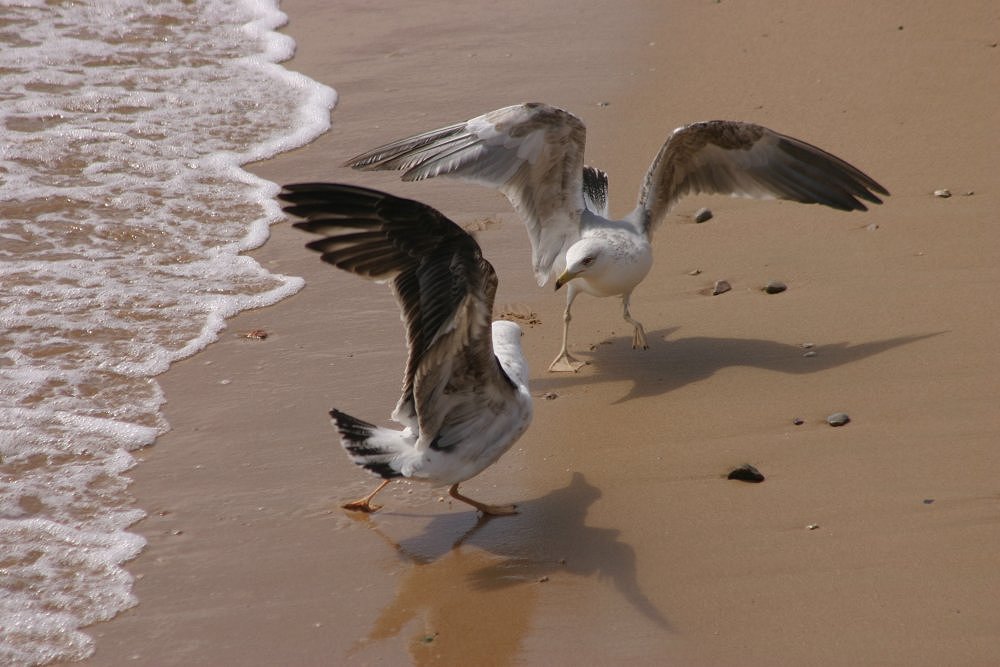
(630, 544)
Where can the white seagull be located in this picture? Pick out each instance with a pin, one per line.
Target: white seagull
(533, 153)
(465, 394)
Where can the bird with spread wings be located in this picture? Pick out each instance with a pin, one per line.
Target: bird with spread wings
(465, 397)
(533, 153)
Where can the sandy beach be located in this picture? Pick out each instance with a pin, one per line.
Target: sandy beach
(870, 544)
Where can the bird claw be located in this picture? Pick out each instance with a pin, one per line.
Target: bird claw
(497, 510)
(488, 510)
(362, 505)
(565, 363)
(639, 340)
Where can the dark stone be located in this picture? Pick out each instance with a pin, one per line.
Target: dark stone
(746, 473)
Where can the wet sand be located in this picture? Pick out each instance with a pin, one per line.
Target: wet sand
(872, 543)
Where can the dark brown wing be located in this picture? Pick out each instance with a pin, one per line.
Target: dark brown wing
(444, 287)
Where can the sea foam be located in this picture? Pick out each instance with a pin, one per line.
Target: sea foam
(123, 217)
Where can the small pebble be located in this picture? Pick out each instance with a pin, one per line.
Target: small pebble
(798, 421)
(703, 215)
(775, 287)
(746, 473)
(812, 526)
(721, 287)
(810, 353)
(944, 193)
(256, 334)
(872, 227)
(928, 501)
(808, 345)
(550, 396)
(542, 579)
(694, 272)
(838, 419)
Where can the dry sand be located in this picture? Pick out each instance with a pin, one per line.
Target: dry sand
(630, 546)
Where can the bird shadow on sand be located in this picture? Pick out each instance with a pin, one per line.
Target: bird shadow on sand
(670, 364)
(503, 561)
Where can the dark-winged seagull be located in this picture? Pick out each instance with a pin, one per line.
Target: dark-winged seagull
(533, 153)
(465, 397)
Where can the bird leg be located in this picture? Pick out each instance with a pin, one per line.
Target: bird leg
(488, 510)
(565, 362)
(365, 504)
(638, 333)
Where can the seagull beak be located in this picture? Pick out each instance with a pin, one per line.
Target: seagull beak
(564, 278)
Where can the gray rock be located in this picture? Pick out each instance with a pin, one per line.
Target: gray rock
(703, 215)
(721, 287)
(775, 287)
(838, 419)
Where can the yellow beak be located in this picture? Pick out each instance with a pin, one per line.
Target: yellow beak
(565, 278)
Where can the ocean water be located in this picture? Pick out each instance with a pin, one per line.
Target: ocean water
(123, 213)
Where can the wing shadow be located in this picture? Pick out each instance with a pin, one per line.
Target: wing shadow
(672, 364)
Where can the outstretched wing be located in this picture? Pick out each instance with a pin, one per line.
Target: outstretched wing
(444, 287)
(743, 159)
(533, 153)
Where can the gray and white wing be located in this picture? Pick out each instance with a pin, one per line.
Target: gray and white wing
(532, 153)
(445, 290)
(748, 160)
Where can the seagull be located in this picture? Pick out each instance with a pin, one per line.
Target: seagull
(465, 397)
(533, 153)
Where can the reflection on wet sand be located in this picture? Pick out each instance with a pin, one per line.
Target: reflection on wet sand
(505, 563)
(432, 603)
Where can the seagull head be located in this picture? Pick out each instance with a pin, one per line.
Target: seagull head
(585, 256)
(507, 348)
(507, 332)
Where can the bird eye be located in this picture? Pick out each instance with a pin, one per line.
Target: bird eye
(587, 261)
